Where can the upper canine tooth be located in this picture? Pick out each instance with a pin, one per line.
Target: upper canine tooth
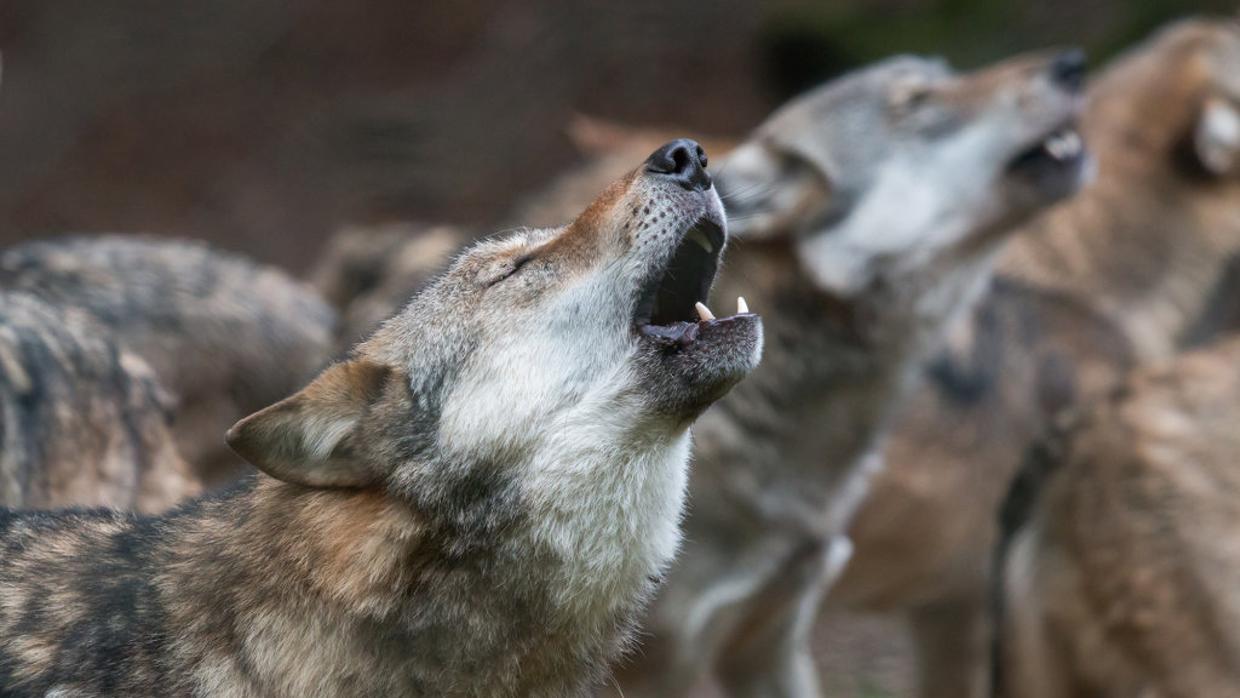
(700, 238)
(1055, 147)
(703, 312)
(1072, 142)
(741, 306)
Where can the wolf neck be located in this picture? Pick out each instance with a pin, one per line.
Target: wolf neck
(599, 478)
(833, 369)
(1143, 250)
(551, 592)
(606, 513)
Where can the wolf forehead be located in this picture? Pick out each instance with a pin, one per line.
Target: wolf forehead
(436, 327)
(853, 101)
(625, 216)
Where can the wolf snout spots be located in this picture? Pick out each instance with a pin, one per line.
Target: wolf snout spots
(682, 161)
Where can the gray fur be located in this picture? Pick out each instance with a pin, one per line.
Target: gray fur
(224, 335)
(82, 420)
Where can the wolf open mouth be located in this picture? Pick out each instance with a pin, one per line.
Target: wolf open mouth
(1063, 149)
(671, 307)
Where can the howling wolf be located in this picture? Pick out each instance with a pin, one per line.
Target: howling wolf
(475, 503)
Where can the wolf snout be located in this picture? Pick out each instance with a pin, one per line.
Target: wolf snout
(683, 161)
(1067, 69)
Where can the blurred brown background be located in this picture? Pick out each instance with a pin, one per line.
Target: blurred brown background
(264, 124)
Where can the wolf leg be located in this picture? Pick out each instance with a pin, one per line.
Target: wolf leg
(953, 643)
(1031, 663)
(709, 594)
(769, 655)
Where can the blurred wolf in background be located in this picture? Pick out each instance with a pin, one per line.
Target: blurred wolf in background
(867, 215)
(224, 335)
(476, 503)
(83, 421)
(1122, 577)
(1144, 263)
(370, 272)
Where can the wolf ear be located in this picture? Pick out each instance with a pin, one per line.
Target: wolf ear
(769, 194)
(1216, 138)
(308, 439)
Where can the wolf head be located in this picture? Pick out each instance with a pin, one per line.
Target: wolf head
(576, 344)
(899, 165)
(1180, 91)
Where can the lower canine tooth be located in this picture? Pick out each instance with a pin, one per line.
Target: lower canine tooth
(1072, 142)
(703, 312)
(741, 306)
(1063, 145)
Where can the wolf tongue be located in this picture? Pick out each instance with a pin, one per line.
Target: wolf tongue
(682, 333)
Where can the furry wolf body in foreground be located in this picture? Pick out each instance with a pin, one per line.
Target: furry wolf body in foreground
(477, 502)
(225, 335)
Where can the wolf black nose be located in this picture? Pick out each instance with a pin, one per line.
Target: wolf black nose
(1068, 69)
(683, 161)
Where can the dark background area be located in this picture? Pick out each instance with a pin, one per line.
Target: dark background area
(263, 125)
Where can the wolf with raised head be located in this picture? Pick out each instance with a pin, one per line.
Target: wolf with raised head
(1141, 265)
(477, 502)
(868, 214)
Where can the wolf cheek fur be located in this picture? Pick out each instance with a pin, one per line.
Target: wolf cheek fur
(474, 503)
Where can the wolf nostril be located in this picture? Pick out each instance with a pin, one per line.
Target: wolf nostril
(1068, 69)
(680, 159)
(683, 161)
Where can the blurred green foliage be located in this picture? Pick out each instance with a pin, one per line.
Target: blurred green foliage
(805, 42)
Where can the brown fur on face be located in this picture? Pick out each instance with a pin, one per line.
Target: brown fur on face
(1126, 578)
(1136, 267)
(609, 148)
(370, 272)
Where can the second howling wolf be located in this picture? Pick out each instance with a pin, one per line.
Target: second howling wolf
(475, 503)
